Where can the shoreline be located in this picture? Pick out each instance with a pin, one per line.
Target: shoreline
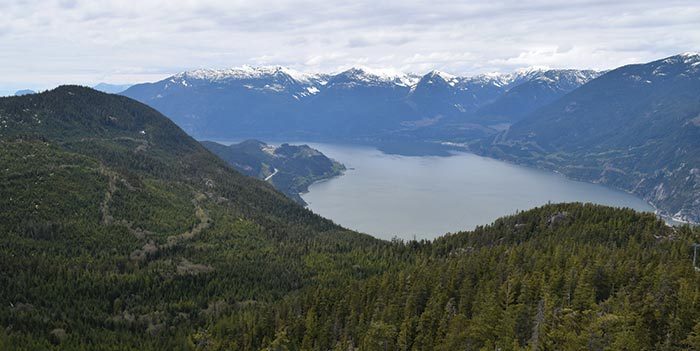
(324, 179)
(451, 148)
(669, 219)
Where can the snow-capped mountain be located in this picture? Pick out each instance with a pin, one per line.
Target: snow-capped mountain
(439, 95)
(248, 73)
(439, 78)
(274, 100)
(685, 64)
(270, 79)
(529, 90)
(358, 76)
(496, 97)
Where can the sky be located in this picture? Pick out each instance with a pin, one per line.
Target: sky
(45, 43)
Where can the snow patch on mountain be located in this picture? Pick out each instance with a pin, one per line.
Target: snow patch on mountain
(680, 65)
(373, 76)
(301, 85)
(450, 79)
(279, 78)
(247, 73)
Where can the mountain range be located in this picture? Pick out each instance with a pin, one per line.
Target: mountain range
(356, 104)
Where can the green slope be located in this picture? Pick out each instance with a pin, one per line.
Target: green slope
(118, 228)
(559, 277)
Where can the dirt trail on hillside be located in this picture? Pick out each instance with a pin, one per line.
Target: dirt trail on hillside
(150, 247)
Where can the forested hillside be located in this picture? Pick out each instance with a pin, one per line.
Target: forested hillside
(559, 277)
(120, 232)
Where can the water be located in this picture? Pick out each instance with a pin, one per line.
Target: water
(427, 196)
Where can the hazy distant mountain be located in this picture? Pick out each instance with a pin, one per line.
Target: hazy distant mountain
(636, 128)
(229, 103)
(290, 168)
(111, 88)
(359, 103)
(24, 92)
(469, 107)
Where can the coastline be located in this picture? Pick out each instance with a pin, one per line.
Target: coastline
(305, 190)
(662, 214)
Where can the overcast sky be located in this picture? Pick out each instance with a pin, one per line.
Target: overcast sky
(44, 43)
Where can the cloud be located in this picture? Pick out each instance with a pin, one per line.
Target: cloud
(49, 42)
(377, 39)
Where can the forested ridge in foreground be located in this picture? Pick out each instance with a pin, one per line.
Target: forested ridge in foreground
(120, 232)
(558, 277)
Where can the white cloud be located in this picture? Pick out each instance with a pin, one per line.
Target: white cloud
(49, 42)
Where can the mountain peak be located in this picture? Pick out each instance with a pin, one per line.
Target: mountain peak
(532, 70)
(444, 75)
(245, 72)
(685, 64)
(690, 58)
(379, 76)
(436, 77)
(24, 92)
(691, 54)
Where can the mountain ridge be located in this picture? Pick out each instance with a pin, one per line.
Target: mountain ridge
(365, 104)
(410, 79)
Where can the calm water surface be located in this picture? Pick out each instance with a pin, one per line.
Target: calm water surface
(427, 196)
